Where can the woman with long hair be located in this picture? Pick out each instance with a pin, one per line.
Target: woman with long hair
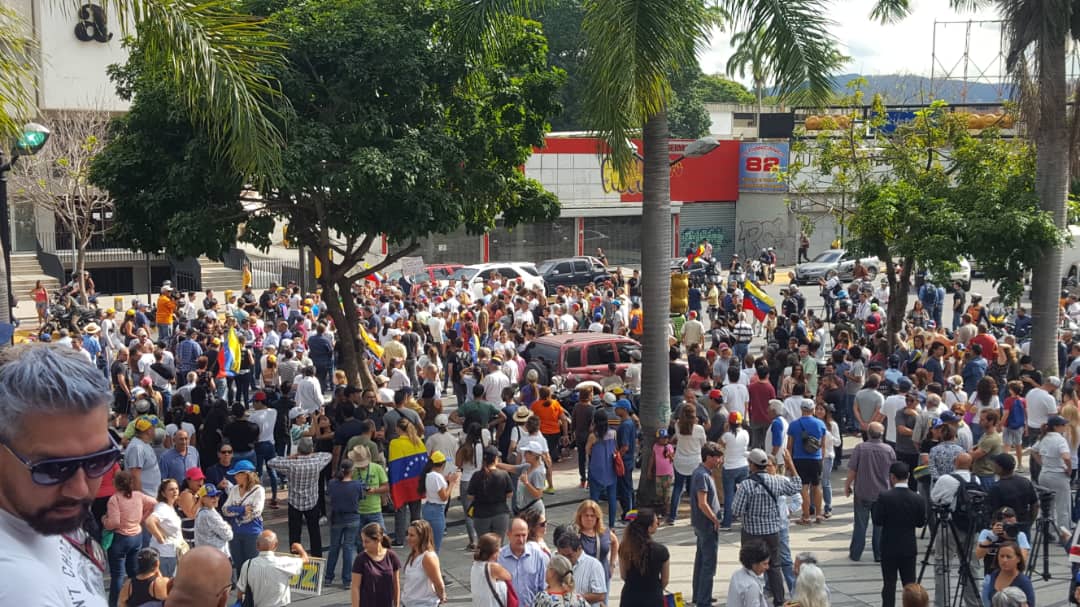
(343, 495)
(985, 397)
(243, 509)
(810, 590)
(376, 572)
(488, 579)
(165, 527)
(468, 459)
(421, 580)
(559, 589)
(1009, 573)
(643, 563)
(833, 440)
(597, 541)
(600, 449)
(149, 585)
(437, 489)
(918, 315)
(491, 489)
(537, 522)
(40, 296)
(797, 377)
(124, 516)
(407, 440)
(689, 439)
(735, 443)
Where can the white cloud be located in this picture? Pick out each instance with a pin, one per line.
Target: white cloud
(904, 47)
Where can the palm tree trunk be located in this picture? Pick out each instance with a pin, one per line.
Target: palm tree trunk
(1052, 185)
(656, 288)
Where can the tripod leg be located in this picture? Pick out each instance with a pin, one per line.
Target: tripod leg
(929, 552)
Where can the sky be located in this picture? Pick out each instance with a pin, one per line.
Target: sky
(904, 47)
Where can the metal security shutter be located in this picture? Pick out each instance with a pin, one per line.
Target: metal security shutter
(713, 221)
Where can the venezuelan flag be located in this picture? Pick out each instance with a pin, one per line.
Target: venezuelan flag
(755, 300)
(407, 463)
(372, 345)
(231, 352)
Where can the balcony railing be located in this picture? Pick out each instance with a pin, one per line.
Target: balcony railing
(99, 249)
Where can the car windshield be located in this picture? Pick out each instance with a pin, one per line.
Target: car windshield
(463, 274)
(528, 268)
(546, 265)
(827, 257)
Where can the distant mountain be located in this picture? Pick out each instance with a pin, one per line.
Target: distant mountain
(900, 89)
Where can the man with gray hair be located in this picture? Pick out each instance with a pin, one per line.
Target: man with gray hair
(302, 469)
(54, 449)
(867, 478)
(267, 575)
(590, 580)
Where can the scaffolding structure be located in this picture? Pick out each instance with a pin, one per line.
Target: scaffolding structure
(990, 69)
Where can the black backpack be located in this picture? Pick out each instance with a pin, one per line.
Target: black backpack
(962, 515)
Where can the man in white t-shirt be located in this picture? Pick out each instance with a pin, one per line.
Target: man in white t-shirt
(893, 405)
(54, 405)
(1041, 404)
(736, 396)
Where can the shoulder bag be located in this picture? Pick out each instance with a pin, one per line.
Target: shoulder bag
(511, 596)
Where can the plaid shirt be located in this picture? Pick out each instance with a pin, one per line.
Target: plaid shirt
(758, 511)
(303, 473)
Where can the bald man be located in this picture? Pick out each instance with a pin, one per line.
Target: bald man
(204, 581)
(867, 478)
(945, 492)
(267, 575)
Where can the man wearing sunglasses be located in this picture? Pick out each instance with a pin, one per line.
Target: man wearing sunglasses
(54, 449)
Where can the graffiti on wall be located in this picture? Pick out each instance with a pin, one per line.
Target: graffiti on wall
(755, 235)
(717, 237)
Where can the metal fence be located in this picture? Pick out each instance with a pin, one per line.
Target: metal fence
(99, 249)
(264, 270)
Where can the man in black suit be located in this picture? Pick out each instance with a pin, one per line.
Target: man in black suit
(898, 511)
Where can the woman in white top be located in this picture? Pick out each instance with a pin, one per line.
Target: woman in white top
(470, 458)
(832, 439)
(488, 579)
(955, 393)
(421, 579)
(437, 490)
(735, 442)
(689, 439)
(164, 526)
(1055, 457)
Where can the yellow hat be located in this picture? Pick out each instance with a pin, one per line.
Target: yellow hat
(110, 311)
(130, 312)
(142, 424)
(438, 458)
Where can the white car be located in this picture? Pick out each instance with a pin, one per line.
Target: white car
(961, 275)
(476, 275)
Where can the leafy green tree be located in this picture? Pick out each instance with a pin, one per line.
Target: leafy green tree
(1039, 33)
(715, 88)
(391, 131)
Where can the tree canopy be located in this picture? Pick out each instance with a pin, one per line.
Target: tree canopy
(714, 88)
(391, 131)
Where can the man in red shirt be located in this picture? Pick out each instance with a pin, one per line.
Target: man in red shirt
(761, 392)
(987, 342)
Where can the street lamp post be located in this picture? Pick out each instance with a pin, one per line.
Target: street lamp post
(31, 141)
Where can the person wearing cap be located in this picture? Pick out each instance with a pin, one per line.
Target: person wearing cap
(999, 532)
(626, 437)
(755, 504)
(805, 440)
(141, 459)
(165, 314)
(210, 528)
(243, 508)
(376, 486)
(443, 441)
(1055, 459)
(175, 462)
(1014, 492)
(437, 491)
(302, 469)
(942, 459)
(900, 511)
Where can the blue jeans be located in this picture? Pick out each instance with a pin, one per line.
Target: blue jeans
(826, 482)
(708, 542)
(787, 565)
(858, 536)
(243, 548)
(594, 494)
(466, 502)
(986, 481)
(264, 452)
(625, 489)
(740, 350)
(164, 331)
(342, 539)
(732, 478)
(167, 565)
(681, 482)
(435, 515)
(122, 562)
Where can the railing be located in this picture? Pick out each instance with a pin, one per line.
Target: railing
(99, 249)
(264, 270)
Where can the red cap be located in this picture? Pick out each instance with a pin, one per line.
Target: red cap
(715, 395)
(259, 396)
(195, 473)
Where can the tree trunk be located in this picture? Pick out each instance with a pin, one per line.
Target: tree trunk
(899, 287)
(1051, 184)
(79, 268)
(656, 288)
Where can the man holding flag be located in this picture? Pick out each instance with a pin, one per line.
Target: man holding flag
(757, 302)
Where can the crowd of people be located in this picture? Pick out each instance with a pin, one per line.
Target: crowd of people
(237, 402)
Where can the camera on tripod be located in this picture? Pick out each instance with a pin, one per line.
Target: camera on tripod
(1046, 501)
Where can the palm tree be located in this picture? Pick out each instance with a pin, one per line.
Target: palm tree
(1039, 33)
(633, 47)
(217, 57)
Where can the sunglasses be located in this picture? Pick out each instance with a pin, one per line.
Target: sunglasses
(54, 471)
(225, 452)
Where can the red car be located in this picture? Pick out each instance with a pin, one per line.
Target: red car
(578, 356)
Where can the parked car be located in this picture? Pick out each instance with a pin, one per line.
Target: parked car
(476, 275)
(572, 272)
(833, 259)
(961, 275)
(578, 357)
(431, 273)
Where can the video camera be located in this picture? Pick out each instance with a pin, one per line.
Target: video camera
(1046, 501)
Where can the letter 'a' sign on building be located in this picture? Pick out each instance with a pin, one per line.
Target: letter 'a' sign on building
(92, 26)
(760, 164)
